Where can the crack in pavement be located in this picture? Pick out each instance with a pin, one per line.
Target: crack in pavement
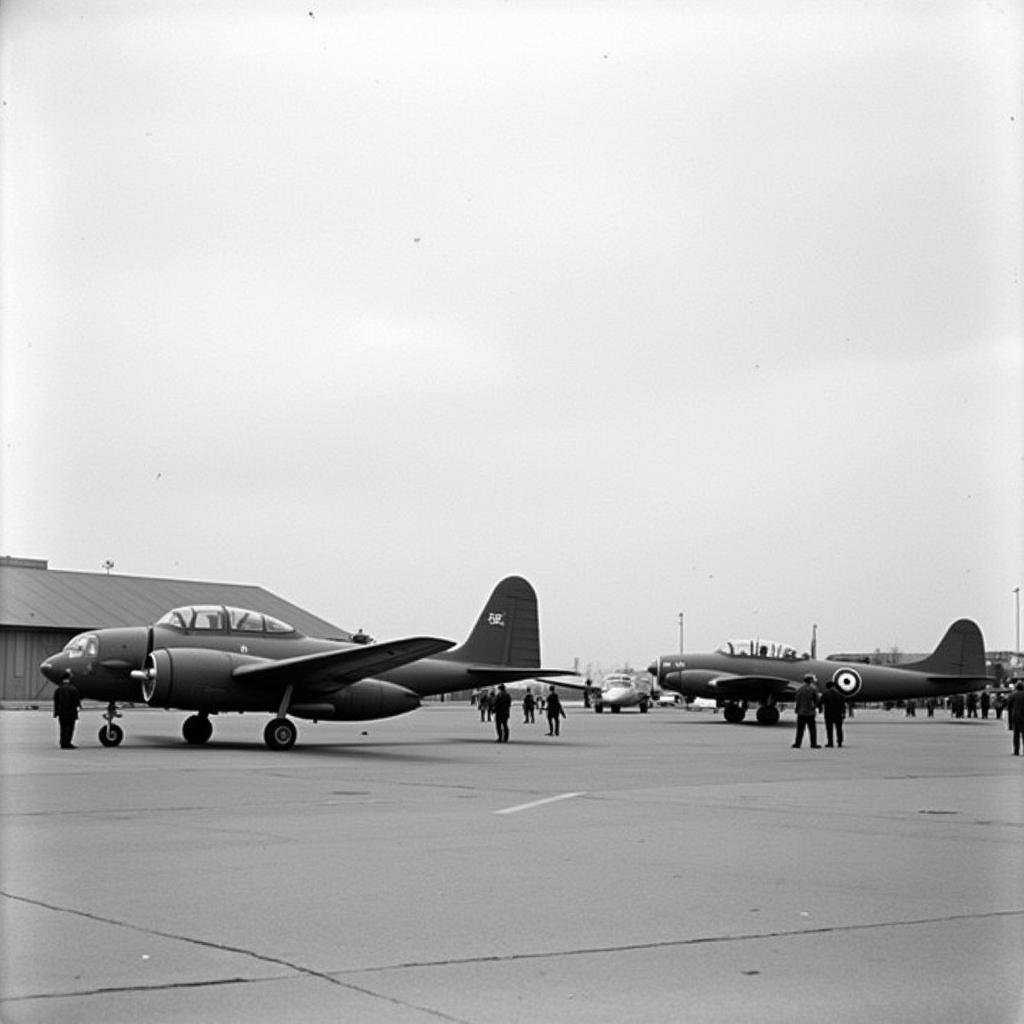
(680, 943)
(331, 979)
(336, 977)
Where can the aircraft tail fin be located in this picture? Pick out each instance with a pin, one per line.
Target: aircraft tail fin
(507, 632)
(960, 654)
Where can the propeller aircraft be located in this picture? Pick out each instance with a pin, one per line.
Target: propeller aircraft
(209, 659)
(744, 671)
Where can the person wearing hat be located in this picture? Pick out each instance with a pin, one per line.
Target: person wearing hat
(66, 702)
(833, 707)
(806, 706)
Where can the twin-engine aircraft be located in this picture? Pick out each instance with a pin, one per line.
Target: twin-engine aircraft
(744, 671)
(212, 658)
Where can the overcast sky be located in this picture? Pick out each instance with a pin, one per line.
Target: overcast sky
(701, 307)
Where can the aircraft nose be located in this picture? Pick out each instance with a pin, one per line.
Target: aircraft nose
(52, 669)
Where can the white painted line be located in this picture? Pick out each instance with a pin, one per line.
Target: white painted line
(537, 803)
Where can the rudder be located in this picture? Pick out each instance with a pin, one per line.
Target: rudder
(960, 653)
(507, 630)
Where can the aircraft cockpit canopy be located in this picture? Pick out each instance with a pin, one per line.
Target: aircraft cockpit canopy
(616, 680)
(759, 649)
(218, 618)
(85, 645)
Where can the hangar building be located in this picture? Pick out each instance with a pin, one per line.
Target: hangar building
(42, 608)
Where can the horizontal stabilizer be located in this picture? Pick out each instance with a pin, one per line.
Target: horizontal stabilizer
(332, 669)
(488, 675)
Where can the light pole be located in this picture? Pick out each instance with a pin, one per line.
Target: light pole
(680, 632)
(1016, 619)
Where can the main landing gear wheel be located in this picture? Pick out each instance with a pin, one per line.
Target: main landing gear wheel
(111, 735)
(734, 713)
(767, 714)
(280, 734)
(197, 729)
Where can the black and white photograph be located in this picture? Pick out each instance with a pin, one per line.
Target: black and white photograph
(511, 511)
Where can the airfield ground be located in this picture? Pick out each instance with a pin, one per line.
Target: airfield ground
(649, 868)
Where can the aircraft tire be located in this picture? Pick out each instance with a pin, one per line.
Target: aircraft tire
(111, 735)
(643, 708)
(616, 708)
(197, 729)
(598, 709)
(280, 734)
(767, 715)
(734, 713)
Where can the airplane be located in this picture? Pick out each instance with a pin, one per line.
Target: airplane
(212, 658)
(761, 671)
(623, 690)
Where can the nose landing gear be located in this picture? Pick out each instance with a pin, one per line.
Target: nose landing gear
(110, 734)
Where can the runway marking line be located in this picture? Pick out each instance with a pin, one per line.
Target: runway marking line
(537, 803)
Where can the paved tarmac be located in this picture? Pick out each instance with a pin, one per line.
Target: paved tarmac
(640, 868)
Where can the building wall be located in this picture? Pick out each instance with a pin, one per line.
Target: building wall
(21, 651)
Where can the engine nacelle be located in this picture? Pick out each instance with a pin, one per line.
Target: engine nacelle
(192, 679)
(359, 701)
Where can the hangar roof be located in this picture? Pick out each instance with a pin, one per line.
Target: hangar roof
(35, 597)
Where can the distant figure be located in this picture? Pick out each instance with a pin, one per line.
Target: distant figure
(806, 705)
(586, 692)
(501, 708)
(528, 706)
(1015, 715)
(986, 703)
(929, 705)
(66, 702)
(555, 711)
(911, 711)
(834, 706)
(972, 705)
(484, 703)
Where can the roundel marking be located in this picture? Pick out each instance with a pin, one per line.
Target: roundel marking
(847, 681)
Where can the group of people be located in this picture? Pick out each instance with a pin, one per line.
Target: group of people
(497, 705)
(808, 700)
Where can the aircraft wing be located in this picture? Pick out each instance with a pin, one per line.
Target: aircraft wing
(736, 687)
(331, 670)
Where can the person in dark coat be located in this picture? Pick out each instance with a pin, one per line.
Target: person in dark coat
(501, 708)
(806, 706)
(528, 706)
(66, 702)
(555, 711)
(834, 707)
(1015, 716)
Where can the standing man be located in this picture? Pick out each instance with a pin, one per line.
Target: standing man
(66, 702)
(1015, 716)
(834, 706)
(555, 712)
(528, 706)
(501, 707)
(806, 707)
